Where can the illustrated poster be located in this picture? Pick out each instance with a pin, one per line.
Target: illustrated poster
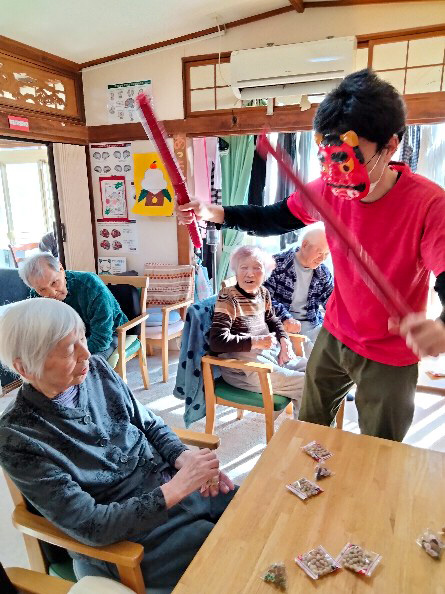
(154, 190)
(109, 159)
(121, 105)
(111, 265)
(116, 237)
(114, 198)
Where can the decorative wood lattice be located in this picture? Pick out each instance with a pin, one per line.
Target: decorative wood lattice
(26, 86)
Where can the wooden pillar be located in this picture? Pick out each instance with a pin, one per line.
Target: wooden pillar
(185, 251)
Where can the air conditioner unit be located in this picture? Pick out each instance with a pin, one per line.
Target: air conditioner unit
(307, 68)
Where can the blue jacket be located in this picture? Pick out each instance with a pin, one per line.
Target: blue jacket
(281, 285)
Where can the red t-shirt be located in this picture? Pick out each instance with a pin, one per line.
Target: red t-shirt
(404, 233)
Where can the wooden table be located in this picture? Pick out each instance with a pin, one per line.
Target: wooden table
(383, 495)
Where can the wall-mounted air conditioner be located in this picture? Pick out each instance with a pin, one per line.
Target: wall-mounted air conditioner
(307, 68)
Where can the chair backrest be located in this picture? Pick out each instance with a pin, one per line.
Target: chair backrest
(21, 249)
(131, 294)
(228, 282)
(169, 284)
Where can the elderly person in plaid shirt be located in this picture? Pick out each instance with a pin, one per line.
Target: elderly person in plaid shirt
(300, 285)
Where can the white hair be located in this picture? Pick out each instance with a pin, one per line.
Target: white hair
(30, 329)
(251, 251)
(34, 266)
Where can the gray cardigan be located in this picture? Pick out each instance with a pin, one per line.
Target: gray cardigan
(95, 470)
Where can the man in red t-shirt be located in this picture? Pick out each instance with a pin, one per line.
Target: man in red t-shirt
(399, 219)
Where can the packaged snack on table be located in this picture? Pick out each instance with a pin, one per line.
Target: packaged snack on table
(317, 451)
(317, 563)
(304, 488)
(357, 559)
(432, 543)
(276, 575)
(322, 472)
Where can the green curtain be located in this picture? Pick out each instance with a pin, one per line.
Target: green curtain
(236, 167)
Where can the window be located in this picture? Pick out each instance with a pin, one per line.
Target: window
(413, 65)
(26, 201)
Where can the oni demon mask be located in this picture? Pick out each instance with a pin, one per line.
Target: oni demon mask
(343, 166)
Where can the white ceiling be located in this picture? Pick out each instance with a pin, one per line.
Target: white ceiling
(83, 30)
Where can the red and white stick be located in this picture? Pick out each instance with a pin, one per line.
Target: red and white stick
(157, 134)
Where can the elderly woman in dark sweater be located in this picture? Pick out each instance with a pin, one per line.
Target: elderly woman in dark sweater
(245, 327)
(91, 458)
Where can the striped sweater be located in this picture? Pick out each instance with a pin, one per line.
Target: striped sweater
(239, 316)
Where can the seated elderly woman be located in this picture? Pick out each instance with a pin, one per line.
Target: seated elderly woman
(245, 327)
(84, 291)
(91, 459)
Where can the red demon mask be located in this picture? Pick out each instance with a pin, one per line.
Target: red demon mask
(343, 165)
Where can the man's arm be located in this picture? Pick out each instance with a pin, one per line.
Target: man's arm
(328, 287)
(258, 220)
(274, 219)
(281, 311)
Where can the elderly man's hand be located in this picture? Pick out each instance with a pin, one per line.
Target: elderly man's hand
(207, 212)
(424, 337)
(292, 326)
(196, 468)
(286, 353)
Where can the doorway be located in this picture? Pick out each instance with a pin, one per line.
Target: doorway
(29, 211)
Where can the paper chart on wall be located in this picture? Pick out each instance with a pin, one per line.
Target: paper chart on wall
(111, 265)
(116, 237)
(113, 159)
(121, 106)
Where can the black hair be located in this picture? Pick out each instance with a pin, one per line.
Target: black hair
(365, 103)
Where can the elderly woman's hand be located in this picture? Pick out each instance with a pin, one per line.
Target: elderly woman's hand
(196, 468)
(223, 485)
(286, 353)
(266, 341)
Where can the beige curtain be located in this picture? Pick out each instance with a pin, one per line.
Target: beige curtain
(74, 204)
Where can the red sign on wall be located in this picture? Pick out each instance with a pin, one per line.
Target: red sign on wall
(18, 123)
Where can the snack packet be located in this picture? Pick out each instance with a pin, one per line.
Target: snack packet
(432, 543)
(317, 563)
(304, 489)
(276, 575)
(317, 451)
(357, 559)
(322, 472)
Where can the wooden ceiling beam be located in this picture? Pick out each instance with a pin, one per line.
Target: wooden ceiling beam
(298, 5)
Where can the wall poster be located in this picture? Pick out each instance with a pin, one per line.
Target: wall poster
(154, 190)
(121, 105)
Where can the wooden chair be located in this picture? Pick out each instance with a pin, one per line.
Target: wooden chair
(125, 555)
(16, 249)
(266, 402)
(161, 335)
(128, 347)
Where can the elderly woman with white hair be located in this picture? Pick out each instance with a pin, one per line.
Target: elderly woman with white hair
(91, 459)
(245, 327)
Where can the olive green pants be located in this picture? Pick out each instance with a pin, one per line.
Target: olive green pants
(384, 396)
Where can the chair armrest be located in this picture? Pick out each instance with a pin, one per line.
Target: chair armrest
(297, 337)
(177, 305)
(125, 553)
(202, 440)
(132, 323)
(29, 581)
(238, 364)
